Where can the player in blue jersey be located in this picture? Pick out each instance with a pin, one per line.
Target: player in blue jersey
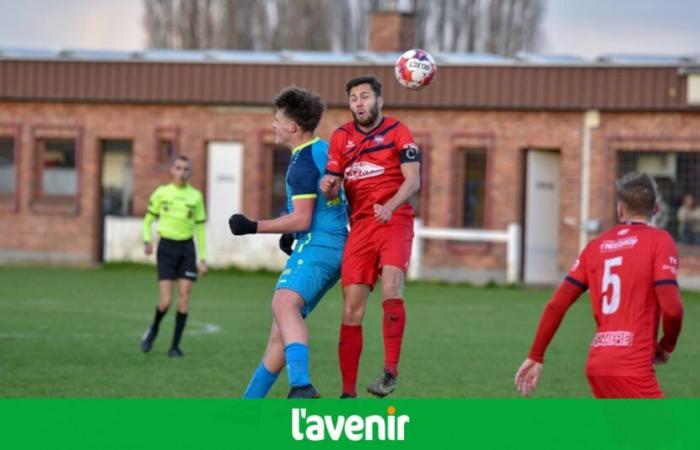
(320, 229)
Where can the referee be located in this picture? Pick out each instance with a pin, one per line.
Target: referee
(179, 209)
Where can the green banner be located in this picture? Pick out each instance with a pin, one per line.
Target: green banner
(403, 424)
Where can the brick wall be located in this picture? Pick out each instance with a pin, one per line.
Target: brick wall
(32, 233)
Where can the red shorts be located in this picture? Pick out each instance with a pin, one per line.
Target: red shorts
(372, 245)
(625, 387)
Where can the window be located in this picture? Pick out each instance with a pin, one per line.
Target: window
(7, 166)
(280, 162)
(676, 175)
(469, 186)
(58, 169)
(117, 177)
(273, 191)
(165, 152)
(166, 146)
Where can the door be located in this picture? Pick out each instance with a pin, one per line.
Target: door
(224, 197)
(116, 183)
(542, 217)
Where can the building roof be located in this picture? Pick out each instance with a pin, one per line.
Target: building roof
(229, 77)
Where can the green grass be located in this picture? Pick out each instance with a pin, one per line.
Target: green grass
(75, 333)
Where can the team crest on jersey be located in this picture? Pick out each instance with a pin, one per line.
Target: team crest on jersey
(350, 144)
(618, 244)
(363, 169)
(379, 139)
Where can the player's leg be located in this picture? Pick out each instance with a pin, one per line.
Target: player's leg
(184, 289)
(394, 257)
(187, 275)
(286, 307)
(167, 273)
(350, 341)
(269, 368)
(394, 320)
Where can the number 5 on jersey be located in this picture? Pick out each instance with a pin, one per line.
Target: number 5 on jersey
(611, 303)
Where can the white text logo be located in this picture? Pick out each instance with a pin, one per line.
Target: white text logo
(355, 428)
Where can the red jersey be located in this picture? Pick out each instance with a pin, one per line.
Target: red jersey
(622, 267)
(370, 164)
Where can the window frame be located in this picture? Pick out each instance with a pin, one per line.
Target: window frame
(49, 203)
(9, 203)
(461, 142)
(165, 134)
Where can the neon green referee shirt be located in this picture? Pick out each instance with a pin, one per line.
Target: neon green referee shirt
(180, 213)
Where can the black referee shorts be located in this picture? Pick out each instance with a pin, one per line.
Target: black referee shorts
(176, 259)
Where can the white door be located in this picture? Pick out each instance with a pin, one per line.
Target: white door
(224, 197)
(542, 217)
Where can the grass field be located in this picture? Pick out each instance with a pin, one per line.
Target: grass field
(76, 332)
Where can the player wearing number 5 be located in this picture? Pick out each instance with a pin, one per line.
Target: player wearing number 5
(631, 273)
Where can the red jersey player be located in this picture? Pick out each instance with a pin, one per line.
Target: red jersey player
(631, 273)
(378, 163)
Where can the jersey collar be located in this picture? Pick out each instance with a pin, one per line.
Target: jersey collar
(305, 144)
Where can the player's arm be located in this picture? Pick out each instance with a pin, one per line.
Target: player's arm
(200, 236)
(668, 294)
(567, 293)
(152, 212)
(671, 319)
(410, 168)
(303, 178)
(298, 220)
(333, 177)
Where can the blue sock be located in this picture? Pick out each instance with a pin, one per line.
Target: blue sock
(297, 355)
(260, 383)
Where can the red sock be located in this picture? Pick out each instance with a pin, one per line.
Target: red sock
(394, 323)
(349, 350)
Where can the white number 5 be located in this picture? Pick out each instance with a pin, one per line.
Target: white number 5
(610, 304)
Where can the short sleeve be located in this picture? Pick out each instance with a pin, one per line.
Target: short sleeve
(335, 164)
(665, 261)
(404, 138)
(577, 273)
(303, 176)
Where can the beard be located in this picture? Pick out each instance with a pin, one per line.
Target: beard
(372, 115)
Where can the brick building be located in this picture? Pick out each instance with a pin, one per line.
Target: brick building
(528, 141)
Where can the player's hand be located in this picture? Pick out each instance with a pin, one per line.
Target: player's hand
(286, 242)
(148, 248)
(661, 356)
(527, 376)
(240, 225)
(382, 213)
(330, 186)
(202, 268)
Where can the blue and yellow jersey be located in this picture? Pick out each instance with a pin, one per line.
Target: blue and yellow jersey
(306, 168)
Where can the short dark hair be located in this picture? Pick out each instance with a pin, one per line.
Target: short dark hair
(365, 79)
(302, 106)
(181, 158)
(637, 191)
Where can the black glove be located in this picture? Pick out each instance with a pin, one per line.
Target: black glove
(240, 225)
(286, 241)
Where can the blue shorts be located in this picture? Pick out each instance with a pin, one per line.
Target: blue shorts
(311, 271)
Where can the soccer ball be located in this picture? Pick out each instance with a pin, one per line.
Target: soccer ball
(415, 69)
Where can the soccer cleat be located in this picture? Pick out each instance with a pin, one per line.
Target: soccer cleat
(307, 391)
(148, 338)
(346, 395)
(383, 385)
(175, 353)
